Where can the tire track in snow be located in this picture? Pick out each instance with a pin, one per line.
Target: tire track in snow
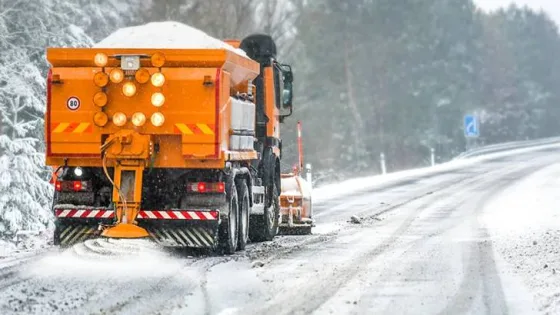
(481, 271)
(309, 299)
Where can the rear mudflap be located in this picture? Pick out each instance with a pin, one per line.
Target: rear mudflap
(169, 234)
(169, 228)
(75, 224)
(192, 234)
(71, 231)
(182, 228)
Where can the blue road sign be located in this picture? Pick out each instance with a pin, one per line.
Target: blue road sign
(471, 126)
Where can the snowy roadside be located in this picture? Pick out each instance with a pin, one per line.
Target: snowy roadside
(355, 185)
(524, 224)
(26, 245)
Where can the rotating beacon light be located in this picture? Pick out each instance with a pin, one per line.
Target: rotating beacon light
(158, 79)
(158, 99)
(101, 79)
(100, 60)
(157, 119)
(100, 119)
(129, 89)
(142, 76)
(138, 119)
(116, 75)
(119, 119)
(158, 60)
(100, 99)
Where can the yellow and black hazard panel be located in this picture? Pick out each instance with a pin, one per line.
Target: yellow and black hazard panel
(69, 234)
(76, 224)
(180, 236)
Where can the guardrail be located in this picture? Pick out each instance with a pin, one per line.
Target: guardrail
(495, 148)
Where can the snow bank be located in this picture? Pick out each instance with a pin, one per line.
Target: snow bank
(24, 243)
(356, 185)
(6, 248)
(164, 35)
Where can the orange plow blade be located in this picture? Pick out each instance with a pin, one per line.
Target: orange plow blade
(295, 205)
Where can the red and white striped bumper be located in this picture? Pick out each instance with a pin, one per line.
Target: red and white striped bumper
(178, 215)
(195, 215)
(85, 213)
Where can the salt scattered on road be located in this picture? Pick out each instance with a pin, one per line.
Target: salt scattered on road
(524, 224)
(107, 259)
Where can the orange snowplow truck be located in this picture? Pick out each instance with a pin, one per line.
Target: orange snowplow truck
(178, 145)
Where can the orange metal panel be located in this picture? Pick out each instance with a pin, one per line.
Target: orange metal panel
(197, 109)
(273, 125)
(242, 68)
(224, 120)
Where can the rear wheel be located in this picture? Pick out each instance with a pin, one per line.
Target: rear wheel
(57, 228)
(265, 227)
(243, 225)
(228, 228)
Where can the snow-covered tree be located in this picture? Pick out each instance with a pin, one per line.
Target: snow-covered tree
(26, 29)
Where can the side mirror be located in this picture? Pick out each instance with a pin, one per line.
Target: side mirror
(288, 92)
(287, 95)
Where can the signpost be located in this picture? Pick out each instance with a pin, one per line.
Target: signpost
(471, 128)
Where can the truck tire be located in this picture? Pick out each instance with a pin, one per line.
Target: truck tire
(265, 227)
(243, 222)
(56, 233)
(57, 228)
(228, 235)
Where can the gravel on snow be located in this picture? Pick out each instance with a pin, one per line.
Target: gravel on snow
(524, 222)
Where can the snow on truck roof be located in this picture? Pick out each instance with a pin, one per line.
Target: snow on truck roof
(164, 35)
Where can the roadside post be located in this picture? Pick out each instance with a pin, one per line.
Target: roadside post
(433, 156)
(308, 175)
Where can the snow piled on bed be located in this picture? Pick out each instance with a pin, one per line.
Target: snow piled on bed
(164, 35)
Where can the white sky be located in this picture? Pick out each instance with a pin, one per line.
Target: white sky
(552, 7)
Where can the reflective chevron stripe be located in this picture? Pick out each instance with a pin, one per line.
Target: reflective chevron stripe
(195, 129)
(178, 215)
(84, 213)
(142, 214)
(191, 236)
(72, 127)
(73, 234)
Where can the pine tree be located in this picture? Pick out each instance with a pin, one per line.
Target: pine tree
(28, 27)
(24, 191)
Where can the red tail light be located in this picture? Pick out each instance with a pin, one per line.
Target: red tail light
(202, 187)
(221, 187)
(76, 186)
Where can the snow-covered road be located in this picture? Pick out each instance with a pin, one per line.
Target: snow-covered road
(482, 238)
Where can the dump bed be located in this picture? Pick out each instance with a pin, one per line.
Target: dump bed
(184, 95)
